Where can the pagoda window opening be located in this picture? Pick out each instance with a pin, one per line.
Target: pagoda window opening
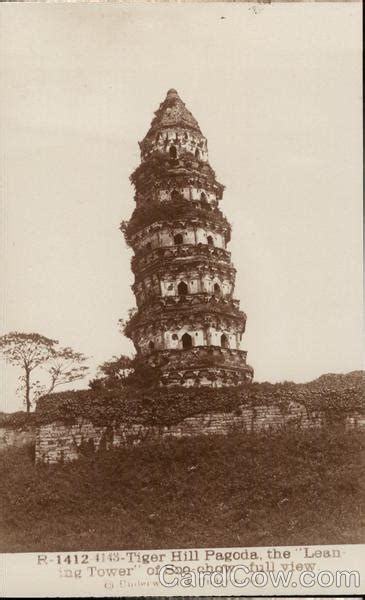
(178, 239)
(151, 345)
(197, 154)
(175, 195)
(210, 240)
(173, 152)
(217, 289)
(224, 341)
(182, 288)
(187, 341)
(203, 197)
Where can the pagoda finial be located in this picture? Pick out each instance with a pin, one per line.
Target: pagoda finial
(171, 114)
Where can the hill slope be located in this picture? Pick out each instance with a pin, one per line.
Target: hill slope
(242, 490)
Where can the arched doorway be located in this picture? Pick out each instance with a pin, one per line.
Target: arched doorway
(182, 288)
(175, 195)
(224, 341)
(187, 341)
(151, 345)
(210, 240)
(173, 152)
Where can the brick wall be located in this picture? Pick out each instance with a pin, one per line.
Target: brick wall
(58, 441)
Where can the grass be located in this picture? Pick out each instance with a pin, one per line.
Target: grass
(285, 489)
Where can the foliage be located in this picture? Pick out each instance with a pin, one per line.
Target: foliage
(143, 376)
(112, 373)
(17, 420)
(124, 371)
(124, 324)
(32, 350)
(240, 490)
(28, 351)
(141, 401)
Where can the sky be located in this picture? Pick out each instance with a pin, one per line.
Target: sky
(276, 90)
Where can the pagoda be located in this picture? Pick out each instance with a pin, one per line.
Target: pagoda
(187, 322)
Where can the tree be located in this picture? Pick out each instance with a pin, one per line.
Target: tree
(32, 350)
(113, 373)
(65, 366)
(125, 371)
(143, 375)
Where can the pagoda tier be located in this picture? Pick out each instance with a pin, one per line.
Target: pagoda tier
(156, 224)
(169, 179)
(187, 322)
(148, 260)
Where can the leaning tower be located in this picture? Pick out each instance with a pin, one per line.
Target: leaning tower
(187, 322)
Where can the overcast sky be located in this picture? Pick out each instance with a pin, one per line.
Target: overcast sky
(276, 89)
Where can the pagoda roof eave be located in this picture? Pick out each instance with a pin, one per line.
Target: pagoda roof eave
(159, 165)
(141, 319)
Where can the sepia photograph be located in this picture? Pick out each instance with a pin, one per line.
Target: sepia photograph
(181, 340)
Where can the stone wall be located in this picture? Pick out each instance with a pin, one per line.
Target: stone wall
(60, 442)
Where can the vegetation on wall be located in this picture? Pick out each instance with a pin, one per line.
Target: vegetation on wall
(335, 396)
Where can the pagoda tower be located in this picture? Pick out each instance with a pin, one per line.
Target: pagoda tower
(187, 322)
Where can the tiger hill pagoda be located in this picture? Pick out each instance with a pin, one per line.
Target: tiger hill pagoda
(187, 322)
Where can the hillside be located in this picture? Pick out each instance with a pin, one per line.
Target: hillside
(248, 489)
(241, 490)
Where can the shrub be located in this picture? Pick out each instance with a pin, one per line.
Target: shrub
(17, 420)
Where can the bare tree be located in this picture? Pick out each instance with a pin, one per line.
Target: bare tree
(32, 350)
(65, 366)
